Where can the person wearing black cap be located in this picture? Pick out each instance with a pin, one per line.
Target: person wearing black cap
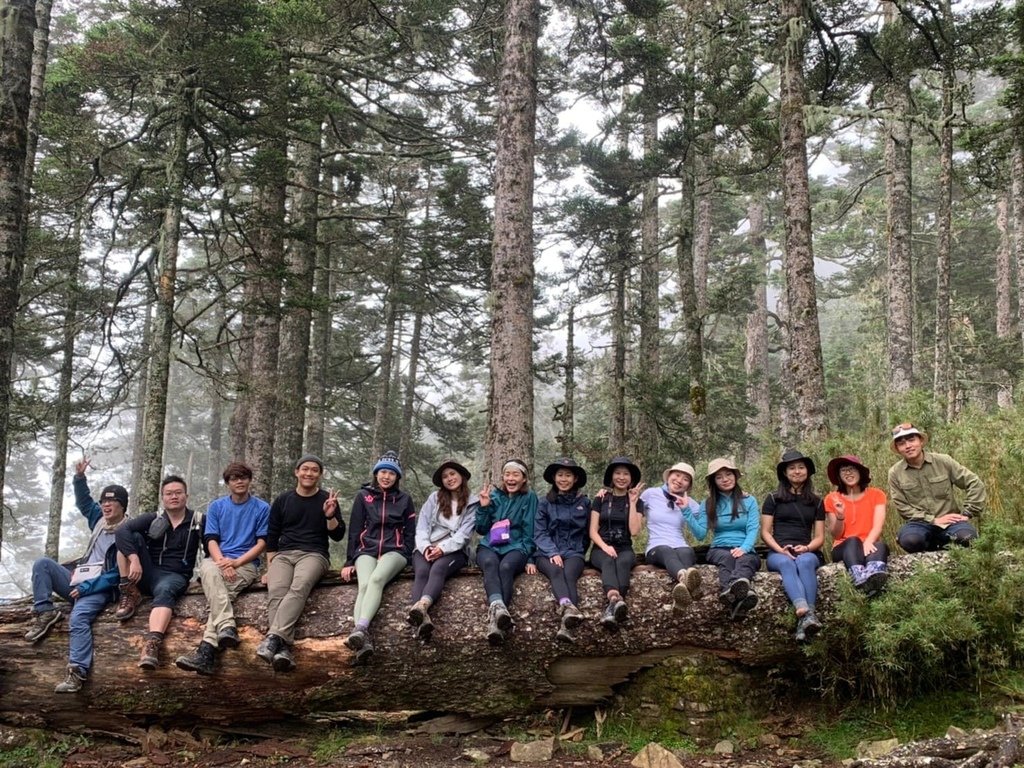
(91, 584)
(560, 533)
(793, 528)
(444, 528)
(301, 523)
(382, 532)
(616, 516)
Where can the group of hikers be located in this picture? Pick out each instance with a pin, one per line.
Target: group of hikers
(514, 531)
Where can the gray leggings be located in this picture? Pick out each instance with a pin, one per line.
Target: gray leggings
(373, 575)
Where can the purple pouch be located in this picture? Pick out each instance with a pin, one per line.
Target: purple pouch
(500, 532)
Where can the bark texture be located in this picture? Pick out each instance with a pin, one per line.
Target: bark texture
(1004, 292)
(510, 420)
(532, 671)
(805, 360)
(943, 382)
(755, 361)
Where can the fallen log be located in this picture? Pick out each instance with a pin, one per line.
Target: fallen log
(996, 748)
(458, 671)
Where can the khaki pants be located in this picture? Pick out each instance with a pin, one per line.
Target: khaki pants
(221, 594)
(290, 579)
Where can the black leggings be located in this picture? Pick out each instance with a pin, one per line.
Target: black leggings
(430, 576)
(672, 559)
(500, 572)
(615, 571)
(563, 580)
(851, 552)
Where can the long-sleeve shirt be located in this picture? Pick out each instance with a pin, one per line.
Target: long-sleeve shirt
(451, 533)
(561, 525)
(521, 511)
(176, 550)
(381, 521)
(927, 493)
(730, 532)
(101, 547)
(297, 523)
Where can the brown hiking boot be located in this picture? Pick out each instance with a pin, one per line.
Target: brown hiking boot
(150, 656)
(42, 623)
(130, 599)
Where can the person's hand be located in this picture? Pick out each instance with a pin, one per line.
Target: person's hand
(870, 549)
(431, 553)
(331, 504)
(557, 560)
(635, 491)
(799, 549)
(610, 551)
(347, 572)
(737, 552)
(531, 569)
(485, 495)
(600, 494)
(74, 593)
(840, 507)
(949, 519)
(263, 579)
(81, 465)
(134, 569)
(229, 573)
(788, 552)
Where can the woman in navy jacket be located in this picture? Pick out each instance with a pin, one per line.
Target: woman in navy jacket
(560, 534)
(381, 534)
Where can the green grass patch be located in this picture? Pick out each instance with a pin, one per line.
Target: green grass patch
(336, 741)
(43, 752)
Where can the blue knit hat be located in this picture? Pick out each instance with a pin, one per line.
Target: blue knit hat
(388, 461)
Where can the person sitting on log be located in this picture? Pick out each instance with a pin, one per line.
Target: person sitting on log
(90, 584)
(855, 516)
(156, 555)
(559, 533)
(382, 532)
(733, 517)
(505, 522)
(793, 528)
(444, 528)
(300, 525)
(921, 488)
(668, 511)
(235, 535)
(616, 516)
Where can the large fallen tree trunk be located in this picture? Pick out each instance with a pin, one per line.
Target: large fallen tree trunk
(456, 672)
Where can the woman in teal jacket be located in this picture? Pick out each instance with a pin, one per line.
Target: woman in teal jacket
(505, 521)
(734, 518)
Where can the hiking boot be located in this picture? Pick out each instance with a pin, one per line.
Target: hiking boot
(201, 660)
(502, 617)
(73, 682)
(620, 611)
(608, 620)
(858, 574)
(694, 582)
(800, 634)
(268, 647)
(571, 617)
(564, 634)
(363, 654)
(811, 624)
(744, 605)
(426, 628)
(739, 589)
(42, 623)
(876, 574)
(228, 638)
(417, 612)
(149, 659)
(283, 660)
(357, 639)
(130, 599)
(681, 597)
(495, 636)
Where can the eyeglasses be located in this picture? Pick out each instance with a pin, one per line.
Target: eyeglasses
(174, 493)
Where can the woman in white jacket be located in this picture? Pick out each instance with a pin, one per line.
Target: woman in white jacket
(443, 531)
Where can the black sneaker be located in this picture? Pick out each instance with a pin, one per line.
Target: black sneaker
(201, 660)
(356, 640)
(502, 617)
(620, 610)
(608, 618)
(739, 589)
(42, 623)
(426, 629)
(743, 606)
(228, 638)
(571, 617)
(73, 682)
(494, 634)
(283, 660)
(268, 647)
(811, 624)
(363, 654)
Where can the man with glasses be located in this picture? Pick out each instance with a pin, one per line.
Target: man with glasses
(235, 537)
(921, 488)
(156, 555)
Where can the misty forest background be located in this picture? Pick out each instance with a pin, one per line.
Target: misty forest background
(254, 229)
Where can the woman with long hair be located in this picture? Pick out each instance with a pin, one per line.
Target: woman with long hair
(616, 516)
(669, 511)
(381, 533)
(733, 517)
(855, 513)
(443, 531)
(793, 528)
(559, 534)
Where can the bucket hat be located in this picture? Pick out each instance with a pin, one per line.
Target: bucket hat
(791, 456)
(450, 464)
(832, 470)
(565, 463)
(681, 466)
(721, 463)
(622, 461)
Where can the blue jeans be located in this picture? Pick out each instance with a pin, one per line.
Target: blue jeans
(919, 536)
(49, 576)
(799, 576)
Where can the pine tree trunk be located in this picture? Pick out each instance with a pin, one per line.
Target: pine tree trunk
(17, 27)
(215, 457)
(408, 435)
(805, 361)
(381, 410)
(40, 56)
(293, 358)
(510, 417)
(568, 414)
(617, 432)
(1017, 219)
(1004, 290)
(139, 407)
(159, 359)
(704, 189)
(648, 363)
(755, 361)
(65, 384)
(319, 355)
(943, 382)
(238, 425)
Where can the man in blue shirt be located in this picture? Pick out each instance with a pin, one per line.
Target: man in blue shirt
(235, 537)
